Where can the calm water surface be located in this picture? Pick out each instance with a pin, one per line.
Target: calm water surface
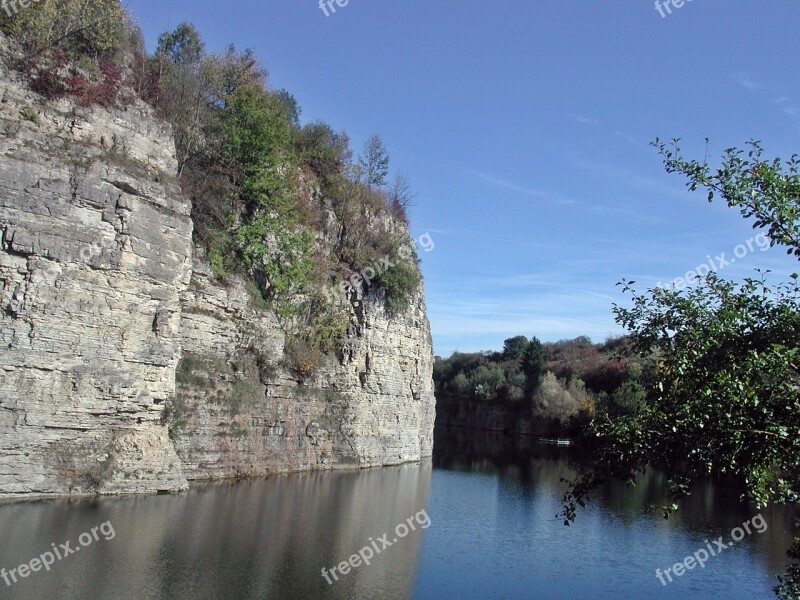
(490, 502)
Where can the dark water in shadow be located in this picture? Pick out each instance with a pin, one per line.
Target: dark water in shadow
(491, 501)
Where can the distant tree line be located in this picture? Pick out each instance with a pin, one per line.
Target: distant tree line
(565, 382)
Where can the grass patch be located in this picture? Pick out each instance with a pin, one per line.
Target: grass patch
(29, 113)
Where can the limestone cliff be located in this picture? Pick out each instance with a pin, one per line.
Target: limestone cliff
(126, 367)
(238, 412)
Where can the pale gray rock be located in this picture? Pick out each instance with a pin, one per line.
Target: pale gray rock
(126, 367)
(239, 412)
(96, 250)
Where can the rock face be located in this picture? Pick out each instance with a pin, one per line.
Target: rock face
(126, 367)
(96, 249)
(238, 412)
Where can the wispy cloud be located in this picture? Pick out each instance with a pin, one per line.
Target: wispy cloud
(555, 302)
(745, 81)
(449, 230)
(631, 212)
(630, 178)
(481, 318)
(786, 103)
(633, 141)
(508, 185)
(788, 107)
(525, 191)
(583, 120)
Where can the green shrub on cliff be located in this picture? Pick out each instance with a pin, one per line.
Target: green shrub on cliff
(78, 27)
(75, 48)
(283, 257)
(324, 151)
(399, 281)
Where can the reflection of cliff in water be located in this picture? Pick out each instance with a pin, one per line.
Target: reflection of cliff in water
(266, 538)
(711, 511)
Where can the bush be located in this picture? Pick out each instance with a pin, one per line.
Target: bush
(486, 380)
(29, 113)
(554, 401)
(47, 76)
(629, 399)
(303, 358)
(323, 150)
(107, 88)
(103, 92)
(459, 385)
(283, 258)
(516, 381)
(399, 282)
(76, 27)
(220, 254)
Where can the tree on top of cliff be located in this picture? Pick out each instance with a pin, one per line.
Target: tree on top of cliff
(183, 46)
(534, 359)
(182, 91)
(401, 196)
(324, 151)
(374, 162)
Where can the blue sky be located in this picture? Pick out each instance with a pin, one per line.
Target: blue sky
(524, 130)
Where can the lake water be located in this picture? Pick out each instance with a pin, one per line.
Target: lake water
(478, 522)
